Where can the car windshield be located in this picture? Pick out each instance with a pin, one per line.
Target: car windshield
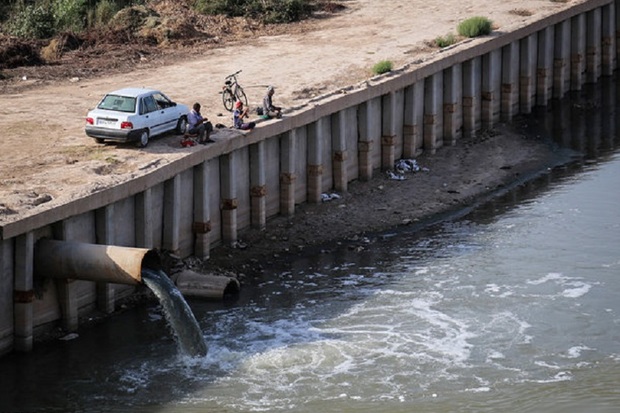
(118, 103)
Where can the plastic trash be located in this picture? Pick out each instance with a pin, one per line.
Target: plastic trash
(407, 165)
(395, 177)
(325, 197)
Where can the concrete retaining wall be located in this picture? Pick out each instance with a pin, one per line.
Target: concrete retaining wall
(207, 197)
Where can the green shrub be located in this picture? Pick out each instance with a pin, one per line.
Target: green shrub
(269, 11)
(475, 26)
(381, 67)
(31, 21)
(445, 41)
(286, 11)
(215, 7)
(69, 15)
(45, 18)
(102, 13)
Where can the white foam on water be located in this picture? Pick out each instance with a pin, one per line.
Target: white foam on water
(133, 380)
(547, 365)
(549, 277)
(580, 289)
(571, 287)
(561, 376)
(575, 352)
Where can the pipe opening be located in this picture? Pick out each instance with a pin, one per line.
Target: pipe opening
(152, 261)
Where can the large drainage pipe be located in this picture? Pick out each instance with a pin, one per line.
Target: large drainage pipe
(93, 262)
(121, 265)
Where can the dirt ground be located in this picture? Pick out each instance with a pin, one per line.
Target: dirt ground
(47, 160)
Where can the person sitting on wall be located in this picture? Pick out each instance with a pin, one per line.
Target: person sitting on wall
(238, 115)
(269, 109)
(197, 125)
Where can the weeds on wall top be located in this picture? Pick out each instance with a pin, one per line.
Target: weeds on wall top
(475, 26)
(382, 67)
(445, 41)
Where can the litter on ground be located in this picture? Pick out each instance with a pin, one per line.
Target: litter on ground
(325, 197)
(403, 166)
(408, 165)
(395, 177)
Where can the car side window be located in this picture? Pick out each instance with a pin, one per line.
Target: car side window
(148, 105)
(162, 100)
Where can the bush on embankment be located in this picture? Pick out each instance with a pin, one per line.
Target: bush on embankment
(43, 19)
(475, 26)
(268, 11)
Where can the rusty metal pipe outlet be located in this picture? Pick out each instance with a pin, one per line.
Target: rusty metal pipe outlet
(93, 262)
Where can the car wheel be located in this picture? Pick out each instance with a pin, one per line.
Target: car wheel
(181, 125)
(144, 139)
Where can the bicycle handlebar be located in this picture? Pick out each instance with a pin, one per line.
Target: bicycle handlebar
(234, 74)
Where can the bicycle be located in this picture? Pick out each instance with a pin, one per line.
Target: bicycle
(232, 91)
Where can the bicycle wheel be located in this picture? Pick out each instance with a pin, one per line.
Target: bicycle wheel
(241, 96)
(228, 100)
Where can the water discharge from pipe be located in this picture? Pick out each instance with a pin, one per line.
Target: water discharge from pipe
(177, 312)
(123, 265)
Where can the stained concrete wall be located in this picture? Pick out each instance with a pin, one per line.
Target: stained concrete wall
(206, 198)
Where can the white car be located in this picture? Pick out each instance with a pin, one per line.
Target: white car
(135, 115)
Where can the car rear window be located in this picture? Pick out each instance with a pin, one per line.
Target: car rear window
(118, 103)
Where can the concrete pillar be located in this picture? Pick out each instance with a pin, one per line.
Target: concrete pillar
(67, 290)
(315, 162)
(452, 104)
(617, 14)
(433, 112)
(545, 66)
(472, 98)
(7, 294)
(593, 45)
(527, 73)
(365, 143)
(339, 151)
(608, 112)
(144, 219)
(491, 88)
(228, 189)
(510, 81)
(578, 52)
(608, 42)
(578, 128)
(104, 224)
(388, 131)
(595, 125)
(23, 296)
(413, 120)
(202, 211)
(288, 176)
(172, 214)
(561, 59)
(258, 186)
(561, 129)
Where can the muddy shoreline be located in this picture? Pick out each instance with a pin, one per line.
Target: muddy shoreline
(453, 181)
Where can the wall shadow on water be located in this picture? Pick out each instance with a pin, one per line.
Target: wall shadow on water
(125, 363)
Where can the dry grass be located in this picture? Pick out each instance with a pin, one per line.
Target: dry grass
(521, 12)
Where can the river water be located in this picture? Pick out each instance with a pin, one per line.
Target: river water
(513, 307)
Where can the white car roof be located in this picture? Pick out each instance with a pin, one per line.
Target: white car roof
(132, 91)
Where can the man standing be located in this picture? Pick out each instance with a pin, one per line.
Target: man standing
(197, 125)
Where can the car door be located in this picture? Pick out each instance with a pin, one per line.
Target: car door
(168, 110)
(149, 112)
